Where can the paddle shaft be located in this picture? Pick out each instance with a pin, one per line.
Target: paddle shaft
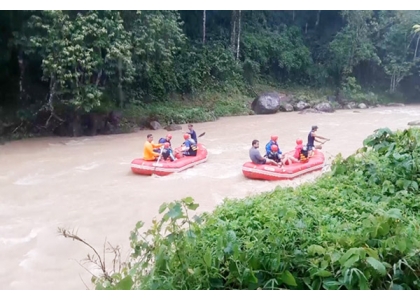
(160, 155)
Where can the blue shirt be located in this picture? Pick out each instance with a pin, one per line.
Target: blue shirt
(268, 147)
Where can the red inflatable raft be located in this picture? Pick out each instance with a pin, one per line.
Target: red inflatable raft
(163, 168)
(270, 172)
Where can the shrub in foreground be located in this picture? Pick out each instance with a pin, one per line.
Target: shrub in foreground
(356, 227)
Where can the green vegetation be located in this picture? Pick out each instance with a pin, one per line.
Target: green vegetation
(57, 68)
(355, 227)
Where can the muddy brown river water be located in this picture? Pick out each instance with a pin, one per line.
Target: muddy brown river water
(86, 184)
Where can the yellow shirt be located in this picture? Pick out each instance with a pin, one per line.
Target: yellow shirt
(148, 153)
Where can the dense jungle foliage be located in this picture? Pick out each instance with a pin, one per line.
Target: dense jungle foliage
(355, 227)
(182, 66)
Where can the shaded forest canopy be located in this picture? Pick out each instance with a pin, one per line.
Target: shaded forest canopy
(62, 64)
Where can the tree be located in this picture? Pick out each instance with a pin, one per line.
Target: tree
(397, 44)
(157, 38)
(351, 45)
(79, 54)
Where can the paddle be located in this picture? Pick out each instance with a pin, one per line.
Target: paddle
(156, 164)
(200, 134)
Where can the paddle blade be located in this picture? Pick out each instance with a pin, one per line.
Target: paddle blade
(202, 134)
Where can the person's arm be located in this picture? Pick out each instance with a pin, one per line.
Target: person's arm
(185, 145)
(318, 136)
(260, 158)
(148, 149)
(156, 145)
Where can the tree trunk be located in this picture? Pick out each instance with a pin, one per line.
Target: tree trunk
(233, 31)
(317, 18)
(417, 46)
(293, 16)
(239, 34)
(120, 91)
(204, 27)
(21, 76)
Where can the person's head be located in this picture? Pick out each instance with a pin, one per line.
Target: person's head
(274, 148)
(166, 145)
(150, 137)
(190, 126)
(299, 141)
(168, 136)
(314, 128)
(255, 143)
(274, 138)
(186, 136)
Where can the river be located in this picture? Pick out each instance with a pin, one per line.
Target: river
(86, 184)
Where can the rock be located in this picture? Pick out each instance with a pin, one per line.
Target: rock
(414, 123)
(379, 105)
(350, 105)
(301, 105)
(396, 104)
(268, 103)
(155, 125)
(114, 117)
(356, 111)
(76, 126)
(310, 111)
(362, 106)
(173, 127)
(284, 106)
(324, 107)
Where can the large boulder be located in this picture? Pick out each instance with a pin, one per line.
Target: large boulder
(268, 103)
(324, 107)
(362, 106)
(155, 125)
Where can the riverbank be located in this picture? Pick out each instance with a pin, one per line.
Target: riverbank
(180, 109)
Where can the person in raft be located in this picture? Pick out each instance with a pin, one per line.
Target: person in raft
(274, 155)
(164, 140)
(300, 155)
(312, 138)
(192, 133)
(255, 155)
(268, 149)
(167, 152)
(189, 147)
(148, 153)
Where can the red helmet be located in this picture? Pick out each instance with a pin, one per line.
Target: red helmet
(186, 136)
(166, 145)
(274, 138)
(299, 142)
(169, 136)
(274, 148)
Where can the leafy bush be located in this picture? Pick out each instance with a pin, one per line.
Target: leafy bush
(356, 227)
